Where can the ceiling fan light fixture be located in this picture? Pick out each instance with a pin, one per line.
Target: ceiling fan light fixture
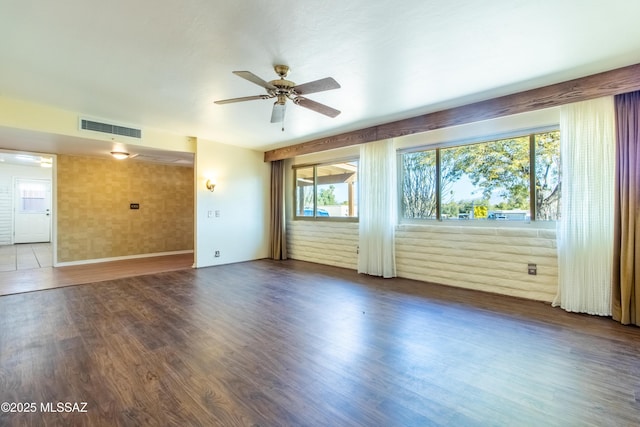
(120, 155)
(46, 162)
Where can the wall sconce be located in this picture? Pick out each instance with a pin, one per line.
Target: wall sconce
(211, 185)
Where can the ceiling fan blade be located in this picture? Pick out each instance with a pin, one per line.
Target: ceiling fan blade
(244, 98)
(316, 86)
(277, 115)
(248, 75)
(316, 106)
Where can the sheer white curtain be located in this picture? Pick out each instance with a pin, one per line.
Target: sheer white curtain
(377, 209)
(585, 232)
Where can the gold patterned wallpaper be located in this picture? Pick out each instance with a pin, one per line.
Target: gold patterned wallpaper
(94, 217)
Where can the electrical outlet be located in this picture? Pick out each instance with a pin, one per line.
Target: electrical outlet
(533, 269)
(217, 254)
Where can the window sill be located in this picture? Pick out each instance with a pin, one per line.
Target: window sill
(535, 225)
(324, 219)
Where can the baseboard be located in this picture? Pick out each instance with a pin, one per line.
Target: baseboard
(120, 258)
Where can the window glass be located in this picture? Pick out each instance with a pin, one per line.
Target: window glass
(33, 197)
(337, 196)
(419, 181)
(305, 202)
(548, 176)
(488, 181)
(335, 193)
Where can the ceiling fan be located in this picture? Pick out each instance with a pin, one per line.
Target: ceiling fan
(284, 89)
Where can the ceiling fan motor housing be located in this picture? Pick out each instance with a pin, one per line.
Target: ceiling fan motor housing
(284, 87)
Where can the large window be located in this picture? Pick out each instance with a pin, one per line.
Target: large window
(327, 191)
(513, 179)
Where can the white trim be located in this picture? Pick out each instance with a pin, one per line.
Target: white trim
(54, 210)
(517, 133)
(120, 258)
(482, 223)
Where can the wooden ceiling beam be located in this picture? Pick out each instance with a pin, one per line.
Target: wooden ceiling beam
(614, 82)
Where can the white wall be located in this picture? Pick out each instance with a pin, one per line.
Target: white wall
(323, 242)
(241, 197)
(8, 173)
(486, 258)
(491, 259)
(23, 115)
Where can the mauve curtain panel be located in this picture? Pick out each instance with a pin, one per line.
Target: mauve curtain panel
(278, 231)
(625, 301)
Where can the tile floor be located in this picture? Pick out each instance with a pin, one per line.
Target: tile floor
(25, 256)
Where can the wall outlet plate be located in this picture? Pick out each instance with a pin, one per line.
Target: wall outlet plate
(216, 254)
(532, 269)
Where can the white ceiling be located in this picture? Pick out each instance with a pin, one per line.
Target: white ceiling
(162, 63)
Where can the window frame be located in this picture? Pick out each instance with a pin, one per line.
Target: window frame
(529, 132)
(315, 167)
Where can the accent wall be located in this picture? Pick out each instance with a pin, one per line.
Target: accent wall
(94, 215)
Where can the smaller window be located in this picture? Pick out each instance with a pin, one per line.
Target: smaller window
(327, 191)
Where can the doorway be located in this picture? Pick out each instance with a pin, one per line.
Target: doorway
(26, 209)
(32, 214)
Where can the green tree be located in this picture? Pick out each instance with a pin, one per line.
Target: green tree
(450, 209)
(326, 196)
(498, 165)
(548, 175)
(419, 182)
(501, 166)
(504, 166)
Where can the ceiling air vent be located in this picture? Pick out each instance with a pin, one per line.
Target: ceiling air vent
(86, 124)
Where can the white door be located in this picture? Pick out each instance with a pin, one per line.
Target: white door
(32, 216)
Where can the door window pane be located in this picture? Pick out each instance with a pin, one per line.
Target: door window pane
(33, 197)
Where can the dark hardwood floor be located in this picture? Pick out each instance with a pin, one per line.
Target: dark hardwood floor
(37, 279)
(270, 343)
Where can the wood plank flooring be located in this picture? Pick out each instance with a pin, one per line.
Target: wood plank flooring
(36, 279)
(270, 343)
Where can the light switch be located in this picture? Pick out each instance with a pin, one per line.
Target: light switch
(209, 214)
